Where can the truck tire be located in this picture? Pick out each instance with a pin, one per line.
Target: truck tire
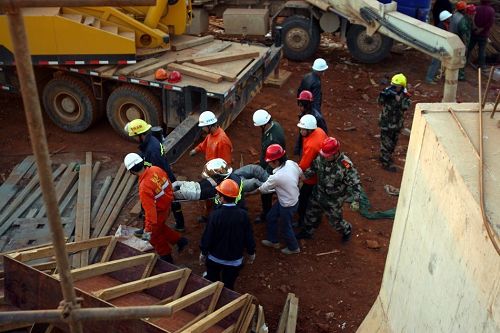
(70, 103)
(130, 102)
(366, 49)
(300, 38)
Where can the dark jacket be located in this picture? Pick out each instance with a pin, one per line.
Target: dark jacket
(312, 82)
(208, 190)
(153, 154)
(438, 7)
(227, 234)
(273, 135)
(484, 19)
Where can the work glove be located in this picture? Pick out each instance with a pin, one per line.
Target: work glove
(251, 259)
(355, 206)
(192, 152)
(202, 259)
(146, 236)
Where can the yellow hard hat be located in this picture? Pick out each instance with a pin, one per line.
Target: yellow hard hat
(136, 127)
(399, 80)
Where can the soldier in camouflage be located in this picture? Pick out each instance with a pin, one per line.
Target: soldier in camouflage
(337, 180)
(395, 101)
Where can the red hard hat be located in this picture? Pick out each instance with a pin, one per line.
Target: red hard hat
(228, 188)
(329, 147)
(461, 5)
(470, 10)
(174, 77)
(274, 152)
(161, 74)
(305, 95)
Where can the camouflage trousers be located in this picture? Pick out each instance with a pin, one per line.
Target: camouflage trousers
(388, 142)
(332, 208)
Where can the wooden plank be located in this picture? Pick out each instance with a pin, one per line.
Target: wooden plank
(230, 329)
(182, 284)
(138, 285)
(109, 250)
(215, 298)
(259, 326)
(149, 267)
(148, 70)
(225, 75)
(218, 315)
(136, 210)
(131, 68)
(192, 321)
(108, 267)
(108, 197)
(48, 251)
(67, 180)
(194, 297)
(118, 206)
(291, 324)
(213, 49)
(243, 313)
(203, 75)
(9, 186)
(185, 44)
(248, 318)
(86, 210)
(83, 178)
(26, 203)
(225, 57)
(100, 197)
(284, 315)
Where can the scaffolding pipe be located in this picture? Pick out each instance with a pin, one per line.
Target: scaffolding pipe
(11, 4)
(40, 149)
(58, 316)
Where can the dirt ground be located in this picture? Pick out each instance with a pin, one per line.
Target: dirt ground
(335, 290)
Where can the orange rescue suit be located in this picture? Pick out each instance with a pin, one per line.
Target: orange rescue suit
(216, 145)
(311, 145)
(156, 195)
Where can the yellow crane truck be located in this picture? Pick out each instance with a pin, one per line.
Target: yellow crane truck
(96, 61)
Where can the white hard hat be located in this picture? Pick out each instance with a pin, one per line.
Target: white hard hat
(207, 118)
(308, 122)
(444, 15)
(261, 117)
(216, 167)
(320, 65)
(132, 160)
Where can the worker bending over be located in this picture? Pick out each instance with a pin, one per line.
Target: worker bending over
(337, 181)
(312, 82)
(155, 193)
(227, 234)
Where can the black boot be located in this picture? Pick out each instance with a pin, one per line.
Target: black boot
(178, 216)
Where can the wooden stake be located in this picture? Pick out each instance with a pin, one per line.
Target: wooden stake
(203, 75)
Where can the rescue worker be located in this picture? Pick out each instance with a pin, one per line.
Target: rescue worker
(153, 153)
(395, 101)
(304, 101)
(312, 82)
(155, 193)
(285, 182)
(435, 65)
(461, 25)
(272, 133)
(484, 20)
(312, 139)
(215, 145)
(227, 234)
(337, 180)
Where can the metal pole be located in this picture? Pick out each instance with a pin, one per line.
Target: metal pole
(58, 316)
(450, 85)
(487, 86)
(40, 149)
(11, 4)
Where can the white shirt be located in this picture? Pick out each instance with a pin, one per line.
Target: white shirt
(285, 181)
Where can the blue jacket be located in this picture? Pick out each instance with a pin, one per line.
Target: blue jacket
(153, 153)
(312, 82)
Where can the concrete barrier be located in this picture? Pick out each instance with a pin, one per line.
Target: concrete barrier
(442, 272)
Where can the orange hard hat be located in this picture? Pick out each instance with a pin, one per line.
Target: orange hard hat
(305, 95)
(330, 147)
(174, 77)
(274, 152)
(461, 5)
(228, 188)
(161, 74)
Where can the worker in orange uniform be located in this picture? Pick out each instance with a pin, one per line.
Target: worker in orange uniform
(156, 195)
(312, 139)
(215, 145)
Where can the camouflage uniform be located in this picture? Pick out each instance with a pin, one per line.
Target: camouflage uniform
(337, 180)
(391, 121)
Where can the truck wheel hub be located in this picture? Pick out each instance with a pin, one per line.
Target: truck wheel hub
(297, 38)
(369, 44)
(133, 112)
(68, 104)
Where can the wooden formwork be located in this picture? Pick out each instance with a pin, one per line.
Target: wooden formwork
(127, 277)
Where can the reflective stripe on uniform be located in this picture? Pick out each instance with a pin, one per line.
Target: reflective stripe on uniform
(162, 193)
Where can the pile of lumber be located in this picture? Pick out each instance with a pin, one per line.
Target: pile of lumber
(87, 208)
